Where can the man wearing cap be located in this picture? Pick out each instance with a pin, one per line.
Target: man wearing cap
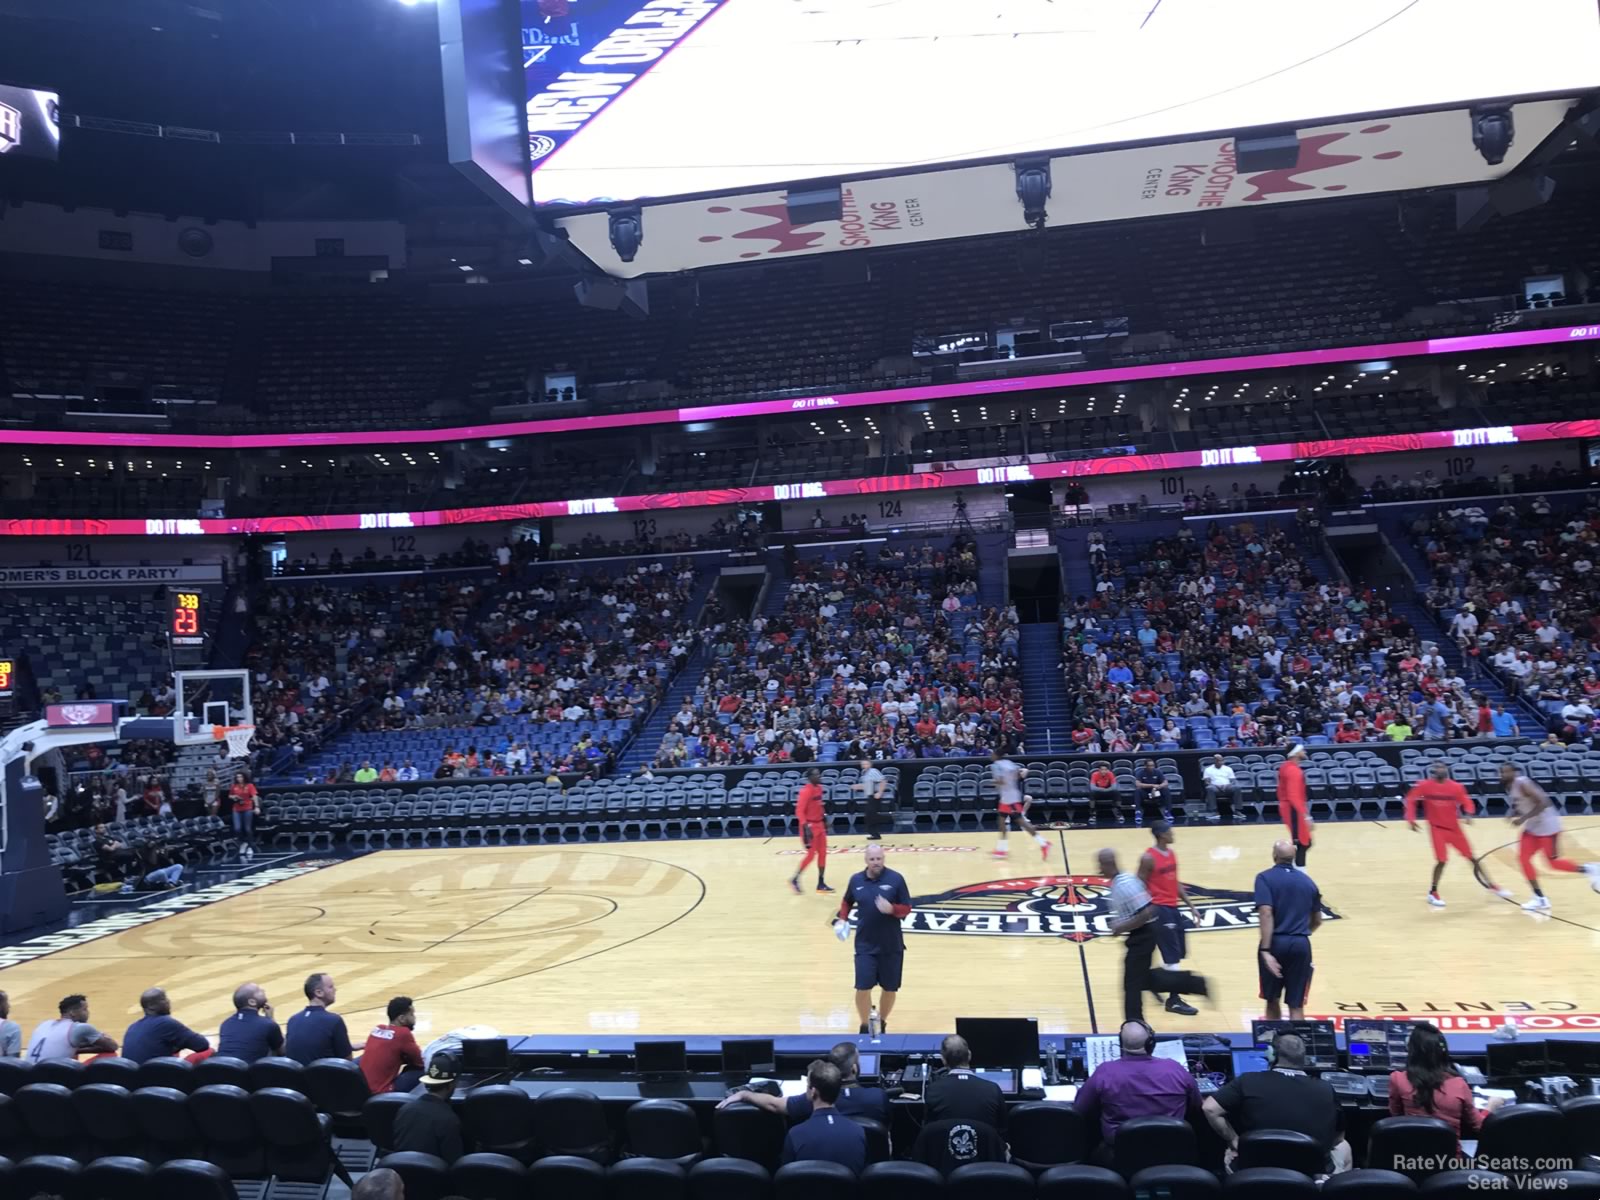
(428, 1124)
(1292, 803)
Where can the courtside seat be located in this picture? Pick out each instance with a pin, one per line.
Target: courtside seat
(192, 1179)
(569, 1176)
(166, 1124)
(1174, 1181)
(425, 1176)
(488, 1177)
(105, 1111)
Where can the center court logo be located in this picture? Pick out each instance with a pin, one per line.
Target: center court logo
(1075, 907)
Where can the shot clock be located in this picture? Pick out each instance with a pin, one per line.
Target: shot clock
(7, 674)
(186, 611)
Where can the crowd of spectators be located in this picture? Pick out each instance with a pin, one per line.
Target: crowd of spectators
(134, 784)
(882, 654)
(1232, 623)
(323, 654)
(1515, 584)
(491, 656)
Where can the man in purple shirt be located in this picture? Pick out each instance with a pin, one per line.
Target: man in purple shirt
(1137, 1085)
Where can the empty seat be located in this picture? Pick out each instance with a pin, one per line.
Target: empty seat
(1270, 1183)
(990, 1181)
(901, 1181)
(1044, 1135)
(1369, 1184)
(1153, 1141)
(646, 1179)
(1081, 1181)
(116, 1177)
(567, 1176)
(1175, 1181)
(809, 1180)
(193, 1179)
(665, 1129)
(571, 1123)
(424, 1175)
(488, 1177)
(738, 1179)
(500, 1119)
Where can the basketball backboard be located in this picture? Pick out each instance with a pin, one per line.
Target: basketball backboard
(209, 701)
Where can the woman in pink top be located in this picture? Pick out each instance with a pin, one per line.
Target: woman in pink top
(1431, 1087)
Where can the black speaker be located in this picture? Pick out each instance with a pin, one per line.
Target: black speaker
(631, 296)
(814, 205)
(1266, 152)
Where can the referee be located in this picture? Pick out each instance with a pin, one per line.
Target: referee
(884, 900)
(1290, 908)
(1133, 913)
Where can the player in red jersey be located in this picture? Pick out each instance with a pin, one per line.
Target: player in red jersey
(1159, 870)
(813, 831)
(1444, 802)
(1292, 803)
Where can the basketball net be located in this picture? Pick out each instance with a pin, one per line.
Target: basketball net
(238, 737)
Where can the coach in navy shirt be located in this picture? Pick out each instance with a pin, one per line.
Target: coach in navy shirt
(158, 1034)
(882, 901)
(827, 1134)
(250, 1033)
(1290, 908)
(316, 1031)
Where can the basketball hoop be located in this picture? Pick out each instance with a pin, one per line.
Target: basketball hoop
(238, 737)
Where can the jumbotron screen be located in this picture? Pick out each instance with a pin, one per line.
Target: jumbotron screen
(30, 122)
(629, 99)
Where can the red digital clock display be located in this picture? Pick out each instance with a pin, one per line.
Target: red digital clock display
(186, 622)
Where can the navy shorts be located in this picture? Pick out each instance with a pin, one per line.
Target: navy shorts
(1293, 953)
(1172, 941)
(875, 968)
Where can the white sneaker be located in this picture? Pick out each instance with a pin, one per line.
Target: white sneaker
(1592, 870)
(1537, 904)
(999, 854)
(1434, 900)
(1504, 893)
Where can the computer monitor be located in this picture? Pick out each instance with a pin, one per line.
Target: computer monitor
(1518, 1060)
(1006, 1081)
(1001, 1041)
(485, 1054)
(1322, 1043)
(746, 1055)
(867, 1066)
(661, 1058)
(1246, 1061)
(1376, 1046)
(1574, 1057)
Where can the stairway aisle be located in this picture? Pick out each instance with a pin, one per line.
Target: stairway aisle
(642, 749)
(1045, 704)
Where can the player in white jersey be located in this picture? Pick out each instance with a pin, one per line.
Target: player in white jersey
(1008, 779)
(1540, 820)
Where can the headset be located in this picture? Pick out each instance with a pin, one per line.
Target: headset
(1148, 1046)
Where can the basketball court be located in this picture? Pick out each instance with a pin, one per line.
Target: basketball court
(698, 936)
